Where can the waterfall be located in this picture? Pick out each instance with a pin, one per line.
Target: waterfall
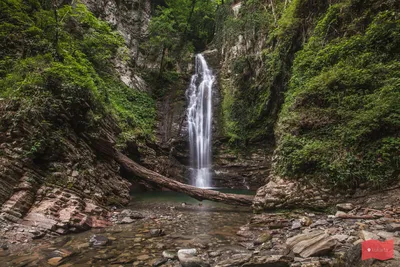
(199, 118)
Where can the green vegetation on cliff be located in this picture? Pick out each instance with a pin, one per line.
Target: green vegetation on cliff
(320, 79)
(57, 64)
(341, 116)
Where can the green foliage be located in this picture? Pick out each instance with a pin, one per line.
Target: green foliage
(250, 103)
(341, 116)
(63, 64)
(178, 29)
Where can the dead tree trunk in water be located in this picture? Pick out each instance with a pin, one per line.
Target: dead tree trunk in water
(162, 181)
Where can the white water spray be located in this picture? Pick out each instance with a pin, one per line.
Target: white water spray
(199, 115)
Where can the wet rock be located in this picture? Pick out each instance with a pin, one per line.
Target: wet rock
(320, 222)
(143, 257)
(168, 254)
(188, 251)
(188, 258)
(56, 257)
(55, 261)
(98, 240)
(131, 214)
(345, 206)
(311, 244)
(263, 238)
(270, 261)
(214, 254)
(368, 235)
(156, 232)
(235, 260)
(159, 262)
(127, 220)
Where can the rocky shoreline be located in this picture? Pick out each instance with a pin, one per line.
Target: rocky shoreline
(162, 234)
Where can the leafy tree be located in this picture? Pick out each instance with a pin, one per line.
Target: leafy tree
(180, 27)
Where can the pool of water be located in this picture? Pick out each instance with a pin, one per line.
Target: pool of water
(187, 223)
(173, 198)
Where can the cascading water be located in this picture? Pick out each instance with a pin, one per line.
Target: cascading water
(199, 115)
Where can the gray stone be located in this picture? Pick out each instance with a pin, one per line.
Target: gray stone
(157, 232)
(130, 214)
(341, 238)
(345, 206)
(159, 262)
(188, 251)
(263, 238)
(235, 260)
(168, 254)
(98, 240)
(296, 225)
(311, 244)
(127, 220)
(320, 222)
(188, 258)
(368, 235)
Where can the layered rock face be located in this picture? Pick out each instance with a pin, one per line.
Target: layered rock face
(131, 18)
(59, 190)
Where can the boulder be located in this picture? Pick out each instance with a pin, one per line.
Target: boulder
(311, 244)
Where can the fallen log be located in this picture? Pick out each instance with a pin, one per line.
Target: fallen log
(162, 181)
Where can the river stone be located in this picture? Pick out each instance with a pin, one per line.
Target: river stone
(263, 238)
(345, 206)
(320, 222)
(157, 232)
(130, 214)
(187, 258)
(235, 260)
(55, 261)
(168, 254)
(159, 262)
(143, 257)
(188, 251)
(98, 240)
(127, 220)
(296, 225)
(312, 244)
(368, 235)
(341, 237)
(270, 261)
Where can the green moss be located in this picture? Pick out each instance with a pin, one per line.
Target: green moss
(64, 65)
(342, 109)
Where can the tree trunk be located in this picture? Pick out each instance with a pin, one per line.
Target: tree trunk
(162, 181)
